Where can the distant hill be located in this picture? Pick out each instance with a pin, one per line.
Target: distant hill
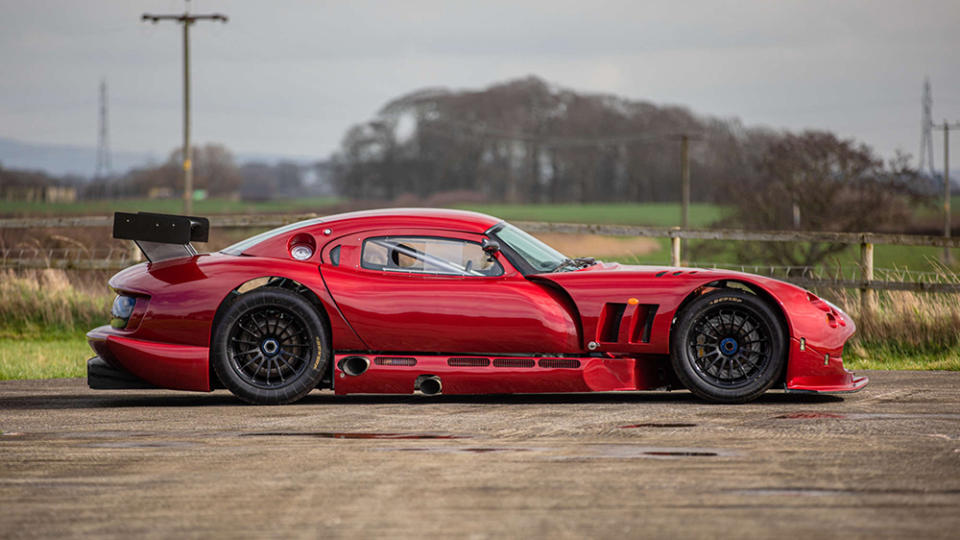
(60, 160)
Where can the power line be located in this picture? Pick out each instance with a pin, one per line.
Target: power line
(186, 19)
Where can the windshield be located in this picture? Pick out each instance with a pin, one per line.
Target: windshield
(540, 256)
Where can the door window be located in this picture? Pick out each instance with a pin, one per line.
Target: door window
(428, 255)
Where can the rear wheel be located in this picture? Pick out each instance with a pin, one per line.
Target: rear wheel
(270, 347)
(728, 347)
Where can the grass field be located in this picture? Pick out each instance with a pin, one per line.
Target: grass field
(653, 214)
(43, 358)
(894, 258)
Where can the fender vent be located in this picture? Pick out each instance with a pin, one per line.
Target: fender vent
(395, 361)
(643, 323)
(468, 362)
(567, 363)
(609, 327)
(514, 362)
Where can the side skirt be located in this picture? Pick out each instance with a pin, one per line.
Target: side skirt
(472, 374)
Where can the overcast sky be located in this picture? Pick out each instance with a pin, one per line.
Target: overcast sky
(290, 77)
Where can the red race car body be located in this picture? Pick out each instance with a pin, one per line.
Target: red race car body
(444, 301)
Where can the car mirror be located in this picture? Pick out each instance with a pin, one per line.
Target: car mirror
(490, 247)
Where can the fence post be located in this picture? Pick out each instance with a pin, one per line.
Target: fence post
(867, 295)
(674, 251)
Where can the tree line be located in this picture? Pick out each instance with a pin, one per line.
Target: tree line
(526, 141)
(215, 171)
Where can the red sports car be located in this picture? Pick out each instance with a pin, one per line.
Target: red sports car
(442, 301)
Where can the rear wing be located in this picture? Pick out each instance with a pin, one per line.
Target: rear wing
(161, 236)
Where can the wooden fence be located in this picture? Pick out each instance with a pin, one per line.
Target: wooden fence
(864, 281)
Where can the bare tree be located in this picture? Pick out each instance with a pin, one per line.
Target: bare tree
(815, 181)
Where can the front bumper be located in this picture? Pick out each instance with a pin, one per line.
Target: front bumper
(813, 371)
(855, 385)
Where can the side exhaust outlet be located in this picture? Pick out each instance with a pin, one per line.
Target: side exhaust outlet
(354, 365)
(429, 385)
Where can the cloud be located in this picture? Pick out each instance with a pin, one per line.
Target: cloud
(290, 77)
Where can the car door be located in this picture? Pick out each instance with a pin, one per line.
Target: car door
(426, 290)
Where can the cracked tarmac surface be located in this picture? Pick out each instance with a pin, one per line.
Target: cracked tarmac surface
(884, 462)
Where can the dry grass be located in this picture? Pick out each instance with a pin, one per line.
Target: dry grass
(907, 330)
(594, 245)
(46, 302)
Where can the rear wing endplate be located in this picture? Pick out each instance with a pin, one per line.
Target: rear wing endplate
(161, 236)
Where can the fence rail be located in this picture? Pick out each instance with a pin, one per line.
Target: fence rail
(226, 222)
(741, 235)
(864, 281)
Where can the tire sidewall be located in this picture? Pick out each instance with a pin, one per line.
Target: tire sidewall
(683, 361)
(298, 387)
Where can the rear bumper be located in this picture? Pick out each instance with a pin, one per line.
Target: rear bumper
(162, 365)
(103, 376)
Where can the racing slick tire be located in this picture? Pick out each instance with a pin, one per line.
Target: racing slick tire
(270, 347)
(728, 346)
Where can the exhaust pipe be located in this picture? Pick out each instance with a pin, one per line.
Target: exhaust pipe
(354, 365)
(430, 385)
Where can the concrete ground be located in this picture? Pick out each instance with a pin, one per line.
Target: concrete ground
(881, 463)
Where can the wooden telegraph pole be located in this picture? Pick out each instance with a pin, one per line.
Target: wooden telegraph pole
(946, 127)
(685, 180)
(685, 139)
(186, 19)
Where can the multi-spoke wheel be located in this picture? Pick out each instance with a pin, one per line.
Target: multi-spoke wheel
(270, 347)
(728, 346)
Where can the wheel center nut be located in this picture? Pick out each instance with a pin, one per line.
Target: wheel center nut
(270, 346)
(728, 346)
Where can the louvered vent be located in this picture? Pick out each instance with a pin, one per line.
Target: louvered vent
(514, 362)
(395, 361)
(468, 362)
(567, 363)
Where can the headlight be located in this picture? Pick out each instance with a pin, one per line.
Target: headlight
(122, 310)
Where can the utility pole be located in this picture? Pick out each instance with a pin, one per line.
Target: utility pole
(685, 180)
(946, 127)
(103, 136)
(926, 129)
(685, 139)
(186, 19)
(946, 190)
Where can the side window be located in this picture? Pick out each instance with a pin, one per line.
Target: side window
(428, 255)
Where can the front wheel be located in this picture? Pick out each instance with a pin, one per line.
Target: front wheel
(728, 346)
(270, 347)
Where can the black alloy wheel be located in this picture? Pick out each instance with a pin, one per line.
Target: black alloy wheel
(728, 346)
(270, 347)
